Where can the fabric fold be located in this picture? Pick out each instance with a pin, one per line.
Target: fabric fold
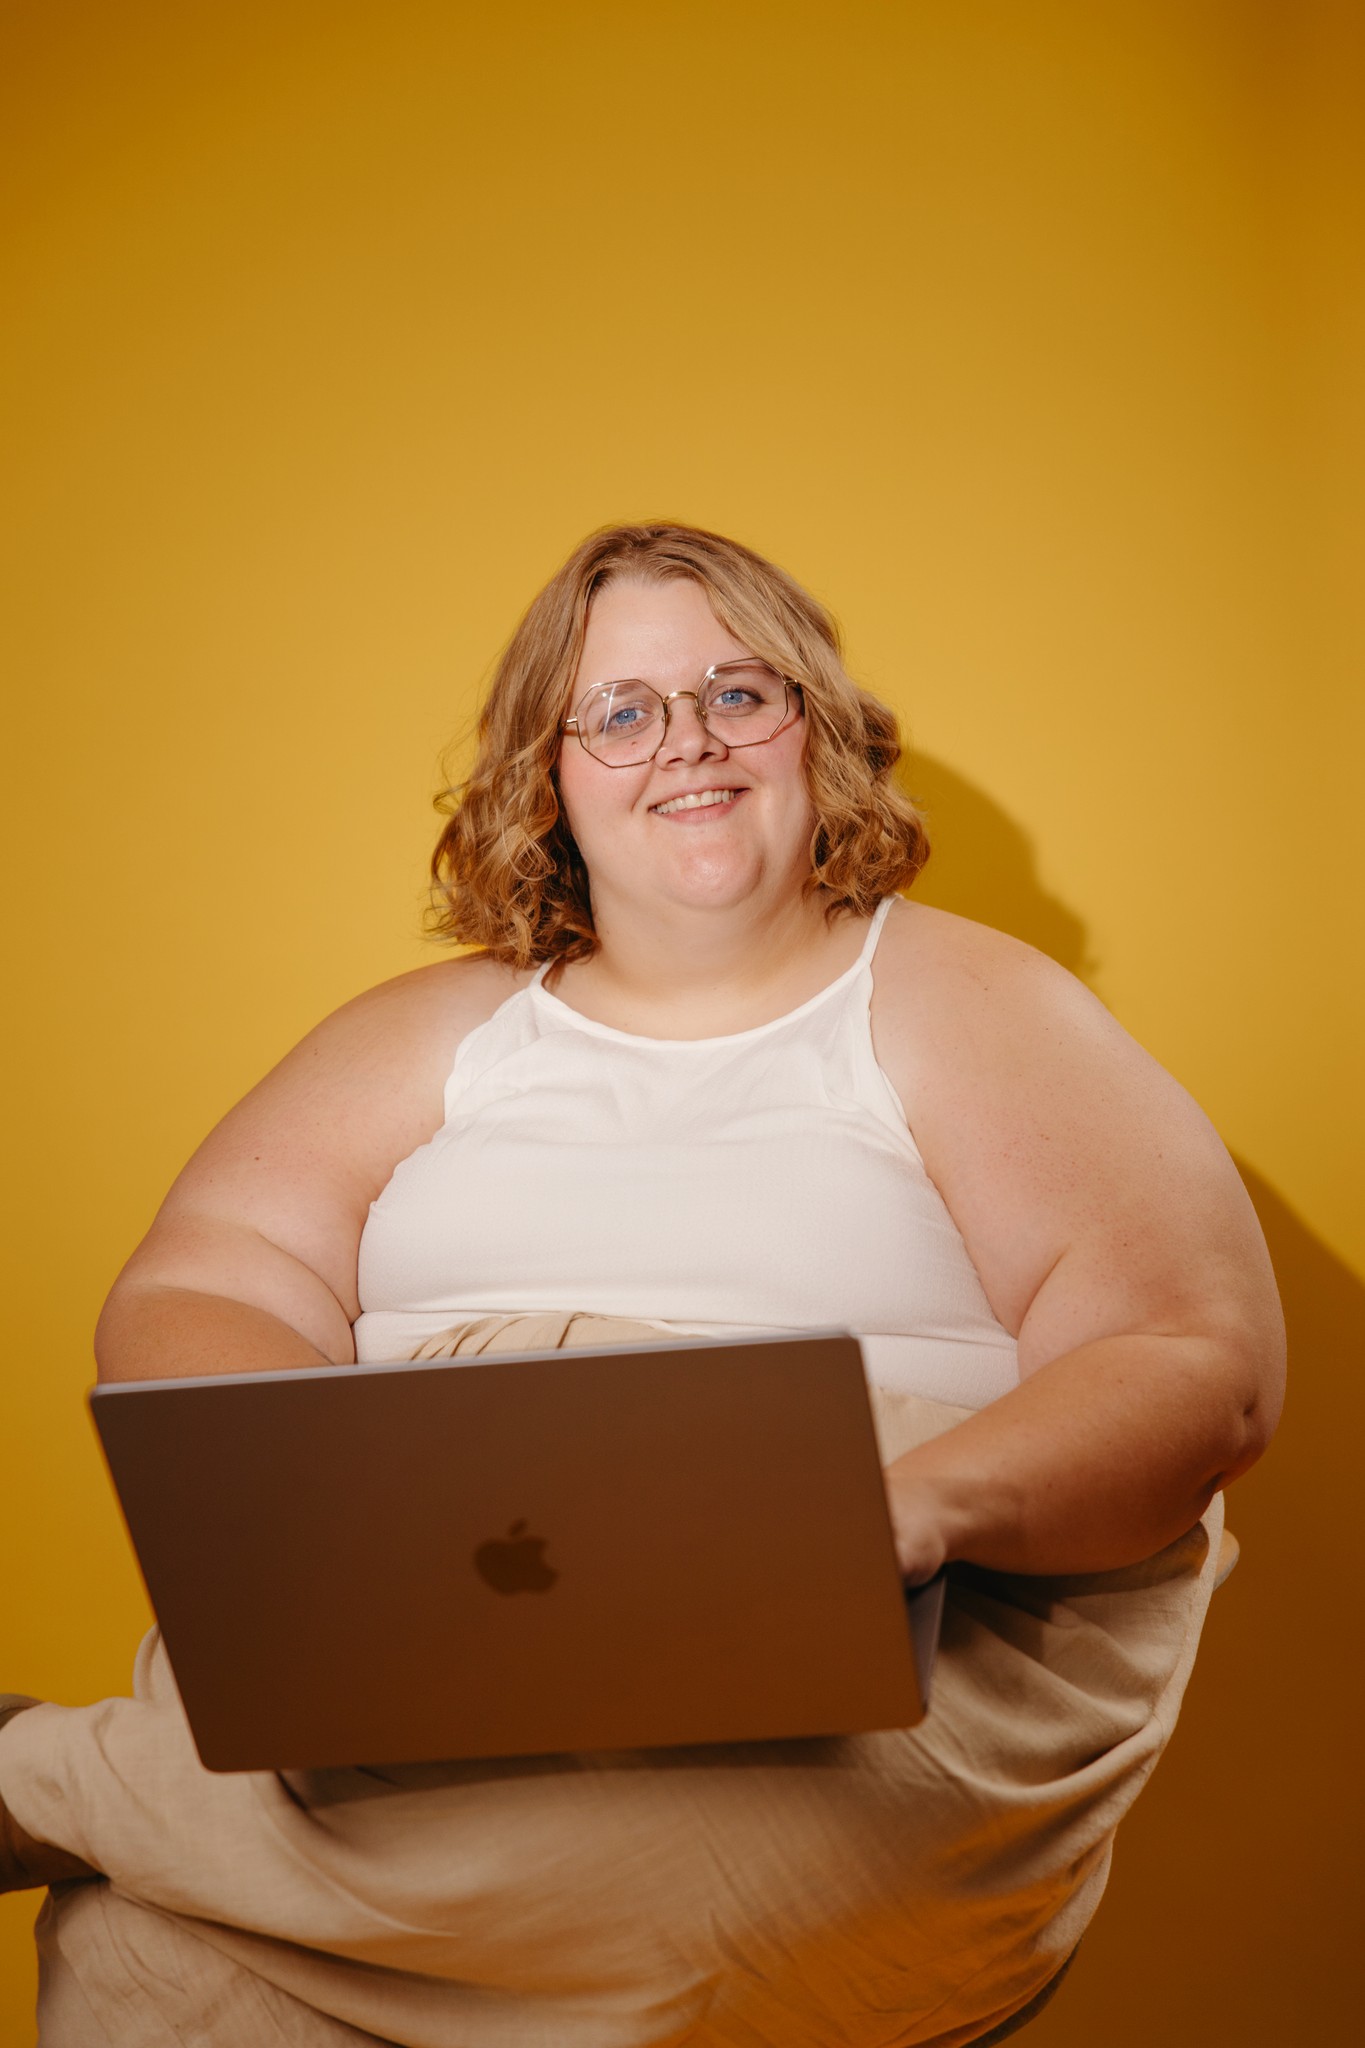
(909, 1887)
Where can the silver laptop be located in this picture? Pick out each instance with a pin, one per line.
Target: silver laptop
(683, 1543)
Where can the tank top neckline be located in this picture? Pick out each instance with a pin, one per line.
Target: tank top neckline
(539, 993)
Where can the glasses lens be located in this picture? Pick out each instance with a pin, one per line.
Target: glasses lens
(621, 722)
(744, 702)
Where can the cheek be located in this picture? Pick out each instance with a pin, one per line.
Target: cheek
(574, 781)
(791, 767)
(590, 796)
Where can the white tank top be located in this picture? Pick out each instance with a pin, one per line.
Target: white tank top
(766, 1180)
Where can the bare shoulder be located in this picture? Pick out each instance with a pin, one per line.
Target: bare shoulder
(270, 1209)
(1054, 1136)
(382, 1059)
(361, 1091)
(929, 957)
(430, 1009)
(973, 1025)
(959, 999)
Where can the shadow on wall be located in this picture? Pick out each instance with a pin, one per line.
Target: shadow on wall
(983, 866)
(1245, 1849)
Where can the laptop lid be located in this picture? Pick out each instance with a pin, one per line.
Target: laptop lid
(569, 1550)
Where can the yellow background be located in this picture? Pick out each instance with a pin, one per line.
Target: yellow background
(1023, 333)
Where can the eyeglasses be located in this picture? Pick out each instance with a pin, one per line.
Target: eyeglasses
(740, 703)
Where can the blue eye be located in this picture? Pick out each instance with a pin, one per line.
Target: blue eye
(736, 693)
(619, 714)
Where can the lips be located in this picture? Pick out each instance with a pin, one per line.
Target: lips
(693, 800)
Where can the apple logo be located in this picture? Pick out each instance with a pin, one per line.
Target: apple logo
(514, 1564)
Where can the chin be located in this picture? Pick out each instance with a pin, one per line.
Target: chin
(718, 888)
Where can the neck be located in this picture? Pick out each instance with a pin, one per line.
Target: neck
(686, 972)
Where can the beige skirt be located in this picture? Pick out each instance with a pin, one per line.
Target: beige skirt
(872, 1891)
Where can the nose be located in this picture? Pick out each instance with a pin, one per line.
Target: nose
(685, 737)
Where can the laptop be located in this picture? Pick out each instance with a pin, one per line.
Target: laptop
(685, 1542)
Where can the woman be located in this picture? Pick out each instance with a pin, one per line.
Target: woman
(703, 1017)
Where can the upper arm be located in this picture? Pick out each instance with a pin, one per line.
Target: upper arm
(270, 1209)
(1094, 1196)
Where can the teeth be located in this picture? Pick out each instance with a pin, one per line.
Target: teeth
(695, 803)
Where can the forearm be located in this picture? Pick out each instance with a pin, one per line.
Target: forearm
(1097, 1460)
(165, 1332)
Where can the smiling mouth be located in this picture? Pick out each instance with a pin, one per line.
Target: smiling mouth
(699, 800)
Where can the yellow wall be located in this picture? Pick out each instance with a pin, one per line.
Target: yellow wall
(1017, 330)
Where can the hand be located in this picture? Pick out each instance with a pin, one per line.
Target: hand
(919, 1525)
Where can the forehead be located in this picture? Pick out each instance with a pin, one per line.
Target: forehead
(657, 631)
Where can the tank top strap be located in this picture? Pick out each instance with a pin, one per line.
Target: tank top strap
(874, 931)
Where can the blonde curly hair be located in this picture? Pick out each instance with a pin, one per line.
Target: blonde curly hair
(506, 873)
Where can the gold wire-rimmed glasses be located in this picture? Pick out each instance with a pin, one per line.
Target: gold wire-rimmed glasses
(740, 703)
